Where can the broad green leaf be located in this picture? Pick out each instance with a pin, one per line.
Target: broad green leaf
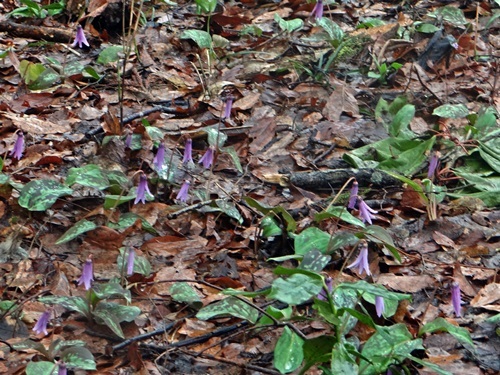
(334, 31)
(112, 314)
(342, 361)
(48, 78)
(59, 345)
(154, 133)
(269, 227)
(343, 239)
(389, 345)
(427, 28)
(111, 290)
(311, 238)
(401, 121)
(454, 111)
(112, 201)
(317, 350)
(288, 353)
(234, 157)
(275, 212)
(39, 195)
(30, 71)
(41, 368)
(78, 228)
(490, 153)
(430, 365)
(77, 304)
(205, 6)
(325, 310)
(340, 213)
(201, 37)
(78, 357)
(289, 26)
(89, 72)
(128, 219)
(229, 209)
(110, 54)
(30, 344)
(229, 306)
(7, 305)
(296, 289)
(451, 14)
(234, 292)
(278, 314)
(89, 175)
(184, 293)
(407, 162)
(215, 137)
(141, 264)
(314, 261)
(442, 325)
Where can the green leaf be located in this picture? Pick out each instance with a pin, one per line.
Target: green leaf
(78, 357)
(341, 213)
(278, 314)
(389, 345)
(314, 261)
(112, 314)
(30, 71)
(78, 228)
(48, 78)
(234, 157)
(451, 14)
(289, 26)
(184, 293)
(205, 6)
(334, 31)
(288, 353)
(229, 306)
(234, 292)
(110, 54)
(317, 350)
(229, 209)
(276, 211)
(296, 289)
(311, 238)
(112, 201)
(430, 365)
(451, 111)
(343, 239)
(427, 28)
(77, 304)
(41, 368)
(154, 133)
(39, 195)
(201, 38)
(89, 175)
(34, 345)
(111, 290)
(89, 72)
(141, 264)
(442, 325)
(401, 121)
(342, 361)
(269, 227)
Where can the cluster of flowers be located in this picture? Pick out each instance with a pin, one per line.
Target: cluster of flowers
(206, 160)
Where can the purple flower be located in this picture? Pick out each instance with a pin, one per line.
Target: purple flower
(208, 158)
(128, 140)
(18, 149)
(433, 164)
(80, 38)
(228, 107)
(361, 261)
(87, 273)
(317, 11)
(159, 157)
(62, 370)
(323, 295)
(455, 298)
(353, 196)
(41, 324)
(130, 261)
(379, 305)
(188, 151)
(365, 212)
(142, 189)
(183, 192)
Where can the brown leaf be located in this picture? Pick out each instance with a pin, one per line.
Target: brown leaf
(406, 284)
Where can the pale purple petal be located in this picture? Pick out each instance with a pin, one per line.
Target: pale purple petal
(317, 11)
(353, 195)
(128, 140)
(142, 189)
(18, 149)
(455, 298)
(80, 38)
(159, 157)
(433, 164)
(365, 212)
(361, 262)
(130, 261)
(87, 273)
(208, 158)
(323, 295)
(379, 305)
(183, 194)
(62, 369)
(41, 324)
(188, 151)
(228, 107)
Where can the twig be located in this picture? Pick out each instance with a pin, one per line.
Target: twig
(427, 87)
(184, 210)
(144, 336)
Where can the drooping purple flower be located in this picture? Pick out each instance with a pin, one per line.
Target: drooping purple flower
(366, 212)
(208, 158)
(361, 262)
(379, 305)
(61, 369)
(353, 195)
(159, 157)
(317, 11)
(41, 324)
(228, 107)
(80, 38)
(323, 295)
(87, 273)
(188, 152)
(128, 140)
(18, 149)
(433, 164)
(456, 301)
(183, 192)
(142, 189)
(130, 261)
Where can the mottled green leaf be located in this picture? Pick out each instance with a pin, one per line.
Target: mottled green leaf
(39, 195)
(184, 293)
(78, 228)
(89, 175)
(296, 289)
(288, 353)
(78, 357)
(451, 111)
(229, 306)
(201, 37)
(442, 325)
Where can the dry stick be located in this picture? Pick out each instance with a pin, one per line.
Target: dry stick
(192, 207)
(427, 87)
(145, 336)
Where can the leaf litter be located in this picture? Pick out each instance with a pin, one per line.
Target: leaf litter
(369, 87)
